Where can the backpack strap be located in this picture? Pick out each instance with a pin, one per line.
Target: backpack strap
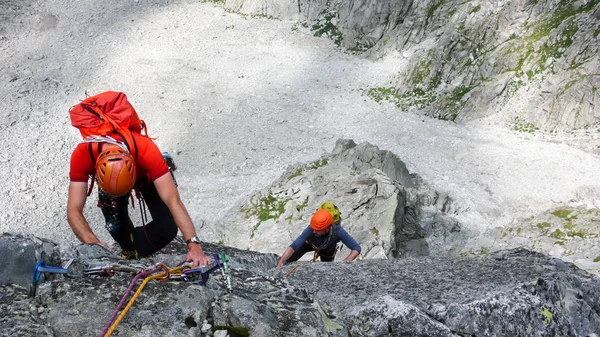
(92, 111)
(330, 236)
(91, 151)
(99, 141)
(131, 144)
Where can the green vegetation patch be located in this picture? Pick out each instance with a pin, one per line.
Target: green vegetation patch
(362, 46)
(514, 231)
(597, 259)
(521, 125)
(529, 48)
(483, 251)
(475, 9)
(458, 93)
(326, 27)
(319, 163)
(262, 16)
(578, 233)
(415, 98)
(303, 205)
(221, 3)
(546, 316)
(312, 166)
(296, 173)
(421, 76)
(569, 231)
(266, 208)
(433, 6)
(453, 102)
(558, 234)
(544, 225)
(562, 213)
(420, 72)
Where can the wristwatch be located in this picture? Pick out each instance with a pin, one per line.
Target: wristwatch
(194, 239)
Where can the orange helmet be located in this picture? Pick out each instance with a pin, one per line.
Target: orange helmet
(321, 220)
(115, 171)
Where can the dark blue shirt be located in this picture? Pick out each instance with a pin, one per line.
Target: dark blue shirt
(326, 242)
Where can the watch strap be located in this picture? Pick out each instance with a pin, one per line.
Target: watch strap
(193, 239)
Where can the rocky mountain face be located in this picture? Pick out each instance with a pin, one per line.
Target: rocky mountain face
(417, 276)
(512, 292)
(534, 63)
(393, 213)
(389, 211)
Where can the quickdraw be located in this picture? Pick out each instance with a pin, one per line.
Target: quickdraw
(41, 268)
(75, 269)
(72, 269)
(200, 275)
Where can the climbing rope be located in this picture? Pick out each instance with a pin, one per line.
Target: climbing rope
(300, 265)
(180, 272)
(162, 276)
(131, 284)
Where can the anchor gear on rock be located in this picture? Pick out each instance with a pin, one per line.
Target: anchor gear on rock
(321, 220)
(116, 172)
(331, 208)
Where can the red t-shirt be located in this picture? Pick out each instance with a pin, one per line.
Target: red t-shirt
(149, 162)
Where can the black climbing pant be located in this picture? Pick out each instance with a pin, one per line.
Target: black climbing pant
(147, 239)
(324, 255)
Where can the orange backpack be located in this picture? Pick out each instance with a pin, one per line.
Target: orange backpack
(108, 113)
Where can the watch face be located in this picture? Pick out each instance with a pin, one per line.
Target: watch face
(194, 239)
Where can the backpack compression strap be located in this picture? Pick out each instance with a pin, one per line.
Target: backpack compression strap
(125, 134)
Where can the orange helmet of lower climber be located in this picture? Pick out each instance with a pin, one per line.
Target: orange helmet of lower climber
(321, 220)
(115, 171)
